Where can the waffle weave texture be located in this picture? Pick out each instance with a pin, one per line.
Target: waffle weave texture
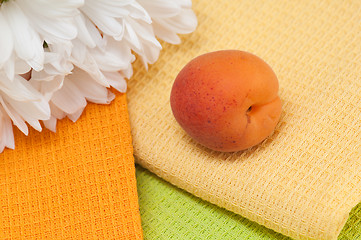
(78, 183)
(304, 180)
(168, 212)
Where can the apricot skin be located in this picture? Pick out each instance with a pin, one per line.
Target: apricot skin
(226, 100)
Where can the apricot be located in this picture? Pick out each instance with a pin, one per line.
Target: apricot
(226, 100)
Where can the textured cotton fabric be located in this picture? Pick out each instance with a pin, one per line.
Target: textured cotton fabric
(77, 183)
(168, 212)
(303, 180)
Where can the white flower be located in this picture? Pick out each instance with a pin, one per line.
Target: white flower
(57, 55)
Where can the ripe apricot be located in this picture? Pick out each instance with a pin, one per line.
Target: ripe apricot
(226, 100)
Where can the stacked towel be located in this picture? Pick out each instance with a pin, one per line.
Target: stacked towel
(302, 181)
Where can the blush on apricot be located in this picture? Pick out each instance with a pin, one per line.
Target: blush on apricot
(226, 100)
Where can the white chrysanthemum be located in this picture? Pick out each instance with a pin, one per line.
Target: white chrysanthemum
(57, 55)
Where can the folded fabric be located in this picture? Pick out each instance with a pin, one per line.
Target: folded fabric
(77, 183)
(302, 181)
(168, 212)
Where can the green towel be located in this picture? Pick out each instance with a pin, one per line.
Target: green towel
(168, 212)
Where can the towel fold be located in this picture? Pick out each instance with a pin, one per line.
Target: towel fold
(168, 212)
(304, 179)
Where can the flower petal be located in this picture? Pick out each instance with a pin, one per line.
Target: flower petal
(83, 33)
(27, 43)
(30, 111)
(75, 116)
(6, 131)
(114, 57)
(184, 23)
(138, 12)
(107, 24)
(161, 8)
(6, 40)
(15, 117)
(116, 80)
(56, 112)
(9, 68)
(58, 16)
(19, 89)
(69, 98)
(89, 88)
(48, 87)
(113, 8)
(50, 123)
(165, 34)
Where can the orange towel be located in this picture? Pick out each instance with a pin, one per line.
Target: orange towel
(78, 183)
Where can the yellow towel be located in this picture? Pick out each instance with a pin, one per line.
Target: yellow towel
(78, 183)
(305, 178)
